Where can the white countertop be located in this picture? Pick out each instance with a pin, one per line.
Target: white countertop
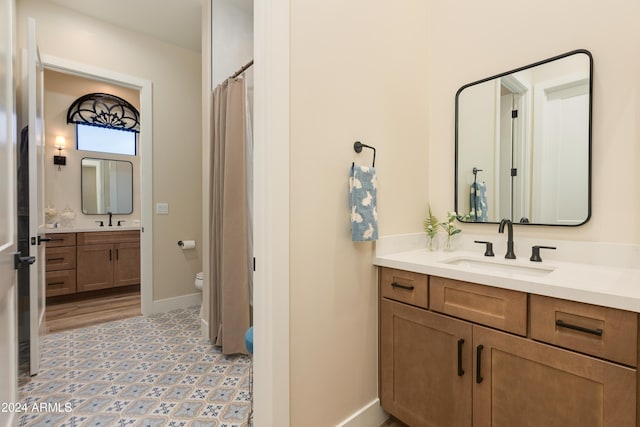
(88, 229)
(614, 282)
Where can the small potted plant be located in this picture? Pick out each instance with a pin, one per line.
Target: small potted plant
(431, 227)
(450, 228)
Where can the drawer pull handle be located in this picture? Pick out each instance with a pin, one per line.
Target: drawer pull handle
(54, 259)
(398, 285)
(56, 283)
(562, 324)
(460, 370)
(479, 378)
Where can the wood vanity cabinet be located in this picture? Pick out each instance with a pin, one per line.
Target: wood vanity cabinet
(60, 264)
(491, 358)
(108, 259)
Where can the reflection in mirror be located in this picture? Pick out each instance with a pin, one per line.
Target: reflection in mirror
(107, 186)
(523, 144)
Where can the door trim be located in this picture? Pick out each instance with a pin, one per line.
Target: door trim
(146, 160)
(271, 213)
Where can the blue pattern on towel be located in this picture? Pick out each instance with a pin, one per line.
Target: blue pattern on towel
(478, 202)
(363, 185)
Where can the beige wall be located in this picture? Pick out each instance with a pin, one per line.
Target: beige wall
(485, 38)
(175, 75)
(386, 74)
(358, 72)
(62, 187)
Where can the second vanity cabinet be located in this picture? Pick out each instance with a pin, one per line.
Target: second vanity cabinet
(455, 353)
(108, 259)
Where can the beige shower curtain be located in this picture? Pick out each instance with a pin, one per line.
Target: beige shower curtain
(229, 282)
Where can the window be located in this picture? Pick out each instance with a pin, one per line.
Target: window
(105, 123)
(106, 140)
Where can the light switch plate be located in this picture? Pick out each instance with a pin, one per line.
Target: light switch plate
(162, 208)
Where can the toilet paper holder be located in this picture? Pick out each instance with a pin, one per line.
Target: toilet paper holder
(190, 244)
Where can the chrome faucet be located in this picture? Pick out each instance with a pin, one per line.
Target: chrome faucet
(510, 254)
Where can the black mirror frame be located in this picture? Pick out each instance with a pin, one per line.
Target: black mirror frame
(82, 187)
(589, 186)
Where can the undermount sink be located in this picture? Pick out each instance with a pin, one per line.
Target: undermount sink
(499, 266)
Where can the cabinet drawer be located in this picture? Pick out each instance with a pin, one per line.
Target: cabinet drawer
(100, 237)
(62, 258)
(499, 308)
(61, 282)
(404, 286)
(61, 239)
(599, 331)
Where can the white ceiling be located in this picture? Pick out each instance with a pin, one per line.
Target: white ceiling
(174, 21)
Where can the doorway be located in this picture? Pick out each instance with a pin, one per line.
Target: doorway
(107, 80)
(96, 189)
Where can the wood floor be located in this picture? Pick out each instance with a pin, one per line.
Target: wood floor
(73, 312)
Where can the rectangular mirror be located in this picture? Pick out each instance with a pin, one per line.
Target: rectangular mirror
(107, 186)
(523, 144)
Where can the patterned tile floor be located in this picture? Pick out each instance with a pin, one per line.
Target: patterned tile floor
(143, 371)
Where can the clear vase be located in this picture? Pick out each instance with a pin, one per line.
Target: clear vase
(431, 243)
(450, 244)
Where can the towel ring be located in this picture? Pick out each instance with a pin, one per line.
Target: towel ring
(357, 147)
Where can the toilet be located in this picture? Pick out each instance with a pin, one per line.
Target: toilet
(198, 283)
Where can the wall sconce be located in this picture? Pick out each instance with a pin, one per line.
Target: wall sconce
(59, 160)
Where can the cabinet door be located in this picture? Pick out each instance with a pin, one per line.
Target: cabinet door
(425, 366)
(525, 383)
(127, 265)
(95, 267)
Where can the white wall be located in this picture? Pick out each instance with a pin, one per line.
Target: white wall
(232, 31)
(176, 146)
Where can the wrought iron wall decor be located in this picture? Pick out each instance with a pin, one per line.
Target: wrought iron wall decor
(104, 110)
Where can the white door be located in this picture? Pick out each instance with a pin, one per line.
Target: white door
(562, 144)
(8, 214)
(33, 94)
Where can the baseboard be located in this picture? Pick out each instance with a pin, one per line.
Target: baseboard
(370, 415)
(176, 303)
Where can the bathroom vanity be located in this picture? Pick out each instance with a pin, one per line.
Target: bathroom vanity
(91, 260)
(472, 340)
